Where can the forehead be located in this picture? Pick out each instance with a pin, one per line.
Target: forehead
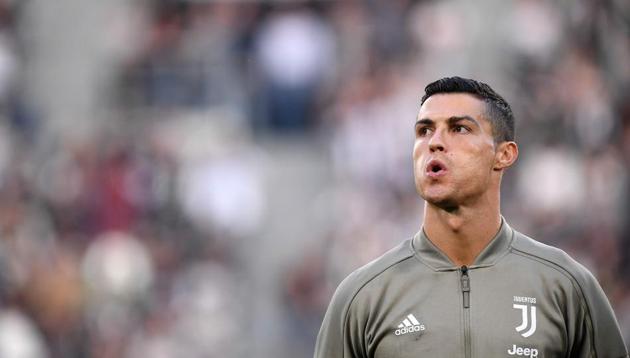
(447, 105)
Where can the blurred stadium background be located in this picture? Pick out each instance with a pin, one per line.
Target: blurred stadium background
(194, 178)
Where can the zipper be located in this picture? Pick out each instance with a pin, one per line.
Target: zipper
(465, 279)
(465, 286)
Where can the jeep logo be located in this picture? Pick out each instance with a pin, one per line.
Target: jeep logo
(520, 351)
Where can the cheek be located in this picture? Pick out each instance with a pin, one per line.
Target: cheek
(482, 161)
(417, 151)
(479, 158)
(417, 160)
(417, 144)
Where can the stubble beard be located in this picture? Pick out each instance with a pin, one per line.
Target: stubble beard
(445, 201)
(448, 204)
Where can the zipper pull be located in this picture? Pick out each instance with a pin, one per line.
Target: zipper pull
(465, 281)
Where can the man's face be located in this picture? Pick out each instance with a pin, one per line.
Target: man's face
(454, 150)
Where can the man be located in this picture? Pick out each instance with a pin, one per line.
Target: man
(468, 285)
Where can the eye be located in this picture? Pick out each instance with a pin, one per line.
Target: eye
(460, 129)
(423, 131)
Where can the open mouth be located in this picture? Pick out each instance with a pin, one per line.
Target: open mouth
(435, 167)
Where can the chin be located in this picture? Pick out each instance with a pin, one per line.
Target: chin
(441, 200)
(446, 204)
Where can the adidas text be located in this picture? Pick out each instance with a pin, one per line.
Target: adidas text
(409, 325)
(411, 329)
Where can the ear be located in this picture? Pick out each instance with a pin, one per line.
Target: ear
(505, 155)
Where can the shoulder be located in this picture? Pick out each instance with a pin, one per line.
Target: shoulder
(350, 287)
(589, 306)
(553, 258)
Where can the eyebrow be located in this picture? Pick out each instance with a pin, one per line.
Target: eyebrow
(450, 120)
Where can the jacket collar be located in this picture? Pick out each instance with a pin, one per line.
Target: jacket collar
(431, 255)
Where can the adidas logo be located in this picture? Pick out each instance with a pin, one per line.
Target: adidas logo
(409, 325)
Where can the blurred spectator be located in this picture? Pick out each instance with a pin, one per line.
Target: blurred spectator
(19, 337)
(295, 53)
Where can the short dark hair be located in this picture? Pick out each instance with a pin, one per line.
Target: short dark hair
(498, 110)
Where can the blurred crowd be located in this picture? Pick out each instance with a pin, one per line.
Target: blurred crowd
(139, 239)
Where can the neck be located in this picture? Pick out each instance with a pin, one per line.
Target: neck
(462, 233)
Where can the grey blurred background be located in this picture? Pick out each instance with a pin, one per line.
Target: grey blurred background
(194, 178)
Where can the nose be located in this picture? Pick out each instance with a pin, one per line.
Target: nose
(436, 143)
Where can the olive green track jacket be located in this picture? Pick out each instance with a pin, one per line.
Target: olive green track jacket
(520, 298)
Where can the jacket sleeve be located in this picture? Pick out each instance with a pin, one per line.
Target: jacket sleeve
(340, 336)
(597, 333)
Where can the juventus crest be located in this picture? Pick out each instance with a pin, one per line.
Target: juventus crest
(528, 314)
(527, 327)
